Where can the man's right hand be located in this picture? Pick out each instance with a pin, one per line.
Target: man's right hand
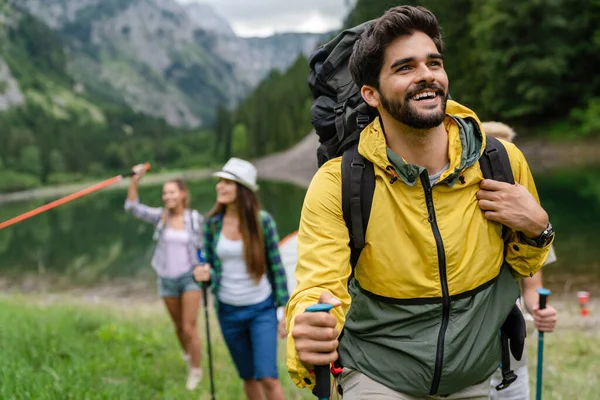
(315, 335)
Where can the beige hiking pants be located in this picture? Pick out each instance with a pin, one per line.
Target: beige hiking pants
(357, 386)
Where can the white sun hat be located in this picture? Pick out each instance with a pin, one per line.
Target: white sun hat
(240, 171)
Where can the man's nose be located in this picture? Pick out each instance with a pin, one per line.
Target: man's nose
(424, 74)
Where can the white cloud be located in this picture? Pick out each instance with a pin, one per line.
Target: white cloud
(265, 17)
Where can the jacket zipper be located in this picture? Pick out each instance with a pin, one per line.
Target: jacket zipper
(439, 355)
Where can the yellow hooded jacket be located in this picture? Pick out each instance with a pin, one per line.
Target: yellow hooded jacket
(432, 285)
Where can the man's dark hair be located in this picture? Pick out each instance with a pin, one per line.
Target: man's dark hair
(369, 50)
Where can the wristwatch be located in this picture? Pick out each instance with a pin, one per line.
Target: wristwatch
(541, 241)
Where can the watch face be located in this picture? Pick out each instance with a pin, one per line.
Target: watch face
(547, 235)
(550, 237)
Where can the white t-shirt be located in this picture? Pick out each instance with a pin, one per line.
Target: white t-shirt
(237, 286)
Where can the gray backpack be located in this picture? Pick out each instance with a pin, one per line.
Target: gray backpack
(196, 220)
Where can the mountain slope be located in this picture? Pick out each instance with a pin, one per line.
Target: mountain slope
(162, 58)
(205, 18)
(53, 129)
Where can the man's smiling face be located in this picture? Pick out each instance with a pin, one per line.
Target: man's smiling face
(413, 85)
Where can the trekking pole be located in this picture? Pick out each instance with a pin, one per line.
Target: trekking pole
(544, 293)
(205, 299)
(68, 198)
(322, 374)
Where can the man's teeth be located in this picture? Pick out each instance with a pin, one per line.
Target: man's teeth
(424, 95)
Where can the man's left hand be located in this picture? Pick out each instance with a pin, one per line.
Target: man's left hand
(513, 206)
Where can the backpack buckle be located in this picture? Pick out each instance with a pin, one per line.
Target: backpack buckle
(507, 378)
(362, 121)
(340, 108)
(357, 159)
(491, 151)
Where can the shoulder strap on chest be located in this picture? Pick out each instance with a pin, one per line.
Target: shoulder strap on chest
(358, 186)
(495, 163)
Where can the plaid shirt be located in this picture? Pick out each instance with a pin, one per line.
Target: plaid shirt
(275, 270)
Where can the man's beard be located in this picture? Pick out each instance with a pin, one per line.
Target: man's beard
(404, 112)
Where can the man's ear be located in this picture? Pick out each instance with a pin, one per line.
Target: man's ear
(370, 95)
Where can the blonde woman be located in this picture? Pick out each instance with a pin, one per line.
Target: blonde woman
(178, 237)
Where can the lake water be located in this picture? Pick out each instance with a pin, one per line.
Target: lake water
(92, 239)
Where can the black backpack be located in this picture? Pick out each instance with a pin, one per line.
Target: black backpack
(339, 114)
(338, 111)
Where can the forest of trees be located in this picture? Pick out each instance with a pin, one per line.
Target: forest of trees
(528, 63)
(531, 64)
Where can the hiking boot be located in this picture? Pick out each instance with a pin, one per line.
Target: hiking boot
(194, 378)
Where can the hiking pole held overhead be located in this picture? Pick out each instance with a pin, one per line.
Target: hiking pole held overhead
(68, 198)
(205, 299)
(322, 372)
(544, 293)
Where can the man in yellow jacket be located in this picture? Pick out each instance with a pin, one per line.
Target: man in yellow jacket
(435, 280)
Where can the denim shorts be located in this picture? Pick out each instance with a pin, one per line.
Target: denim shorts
(174, 287)
(251, 336)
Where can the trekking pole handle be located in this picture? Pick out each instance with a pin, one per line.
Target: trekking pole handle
(202, 262)
(544, 293)
(322, 374)
(133, 172)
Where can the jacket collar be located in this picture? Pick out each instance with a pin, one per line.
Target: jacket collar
(466, 144)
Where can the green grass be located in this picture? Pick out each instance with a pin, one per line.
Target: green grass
(86, 351)
(71, 349)
(571, 364)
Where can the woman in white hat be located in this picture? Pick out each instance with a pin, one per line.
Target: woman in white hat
(246, 276)
(178, 237)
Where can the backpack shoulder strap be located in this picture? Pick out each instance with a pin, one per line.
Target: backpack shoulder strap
(495, 163)
(197, 220)
(358, 186)
(158, 228)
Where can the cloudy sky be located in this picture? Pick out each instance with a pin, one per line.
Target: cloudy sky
(265, 17)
